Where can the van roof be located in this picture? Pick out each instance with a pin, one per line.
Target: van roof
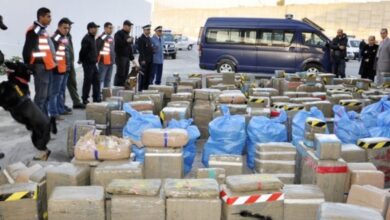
(258, 23)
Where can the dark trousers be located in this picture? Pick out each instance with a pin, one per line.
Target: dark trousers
(144, 79)
(339, 68)
(122, 70)
(72, 87)
(42, 81)
(91, 78)
(156, 73)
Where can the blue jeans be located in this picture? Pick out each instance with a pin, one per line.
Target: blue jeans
(42, 81)
(157, 70)
(105, 74)
(55, 88)
(61, 96)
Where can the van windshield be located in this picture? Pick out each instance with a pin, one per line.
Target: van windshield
(168, 37)
(354, 43)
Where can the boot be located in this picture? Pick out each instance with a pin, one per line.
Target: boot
(53, 125)
(42, 155)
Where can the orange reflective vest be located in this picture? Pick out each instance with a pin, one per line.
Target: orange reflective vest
(105, 52)
(44, 52)
(61, 58)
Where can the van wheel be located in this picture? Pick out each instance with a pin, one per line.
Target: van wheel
(189, 47)
(173, 56)
(313, 68)
(226, 66)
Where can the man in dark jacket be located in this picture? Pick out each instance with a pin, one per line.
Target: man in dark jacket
(2, 27)
(88, 58)
(339, 52)
(145, 58)
(124, 53)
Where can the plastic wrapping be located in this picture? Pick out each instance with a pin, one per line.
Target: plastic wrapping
(75, 132)
(232, 164)
(182, 96)
(339, 211)
(105, 172)
(348, 127)
(383, 125)
(163, 163)
(127, 95)
(189, 151)
(97, 112)
(232, 98)
(253, 182)
(207, 94)
(118, 121)
(156, 98)
(299, 121)
(227, 135)
(115, 102)
(328, 146)
(162, 138)
(136, 187)
(212, 173)
(191, 188)
(264, 130)
(370, 113)
(141, 105)
(169, 113)
(96, 147)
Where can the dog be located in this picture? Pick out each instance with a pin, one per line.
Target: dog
(132, 79)
(15, 98)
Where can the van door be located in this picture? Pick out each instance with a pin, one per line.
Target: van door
(276, 50)
(313, 50)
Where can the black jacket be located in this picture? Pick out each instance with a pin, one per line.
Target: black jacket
(337, 53)
(88, 52)
(122, 47)
(145, 49)
(32, 40)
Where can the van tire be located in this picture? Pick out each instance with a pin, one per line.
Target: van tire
(226, 66)
(313, 67)
(173, 56)
(189, 47)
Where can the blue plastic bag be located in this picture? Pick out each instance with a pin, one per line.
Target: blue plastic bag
(227, 135)
(348, 127)
(262, 130)
(189, 151)
(136, 125)
(299, 120)
(370, 113)
(383, 128)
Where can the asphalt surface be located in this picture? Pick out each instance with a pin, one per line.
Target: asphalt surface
(15, 139)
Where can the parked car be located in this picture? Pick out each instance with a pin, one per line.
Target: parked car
(263, 45)
(170, 49)
(183, 43)
(353, 48)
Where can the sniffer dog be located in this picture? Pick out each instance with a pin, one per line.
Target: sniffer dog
(15, 98)
(132, 79)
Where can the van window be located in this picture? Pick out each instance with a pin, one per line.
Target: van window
(223, 36)
(249, 36)
(313, 39)
(276, 38)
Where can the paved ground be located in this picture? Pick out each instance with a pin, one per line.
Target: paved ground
(15, 139)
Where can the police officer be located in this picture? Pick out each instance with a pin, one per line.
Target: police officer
(2, 27)
(145, 58)
(339, 52)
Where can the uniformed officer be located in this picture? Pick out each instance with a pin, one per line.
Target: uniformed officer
(145, 58)
(158, 58)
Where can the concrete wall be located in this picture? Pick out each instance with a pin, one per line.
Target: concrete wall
(359, 19)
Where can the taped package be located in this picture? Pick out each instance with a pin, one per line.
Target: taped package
(77, 202)
(232, 98)
(106, 93)
(256, 196)
(207, 94)
(335, 98)
(182, 104)
(327, 78)
(279, 99)
(317, 87)
(302, 201)
(304, 99)
(115, 102)
(266, 112)
(312, 127)
(234, 109)
(157, 98)
(271, 91)
(163, 163)
(169, 113)
(328, 146)
(136, 199)
(324, 106)
(296, 94)
(192, 199)
(278, 84)
(370, 197)
(75, 132)
(142, 105)
(116, 90)
(233, 164)
(127, 95)
(364, 174)
(183, 96)
(352, 153)
(224, 87)
(212, 173)
(185, 89)
(352, 104)
(163, 138)
(97, 112)
(195, 83)
(228, 78)
(167, 90)
(275, 166)
(340, 211)
(118, 121)
(258, 102)
(106, 171)
(213, 81)
(98, 147)
(276, 158)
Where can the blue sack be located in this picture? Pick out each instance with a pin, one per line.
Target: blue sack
(348, 127)
(370, 113)
(189, 151)
(383, 128)
(227, 135)
(262, 130)
(299, 120)
(136, 125)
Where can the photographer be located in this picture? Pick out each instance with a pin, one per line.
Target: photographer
(2, 27)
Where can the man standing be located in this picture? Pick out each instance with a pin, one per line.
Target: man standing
(369, 51)
(105, 45)
(39, 50)
(2, 27)
(339, 52)
(383, 56)
(61, 72)
(72, 82)
(158, 56)
(88, 58)
(145, 58)
(123, 53)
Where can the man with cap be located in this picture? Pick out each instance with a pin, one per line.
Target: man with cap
(123, 53)
(2, 27)
(145, 58)
(106, 57)
(88, 58)
(158, 56)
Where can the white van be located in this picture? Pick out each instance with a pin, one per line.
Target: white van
(353, 48)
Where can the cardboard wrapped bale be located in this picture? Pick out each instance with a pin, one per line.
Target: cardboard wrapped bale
(266, 112)
(304, 99)
(228, 78)
(127, 95)
(327, 78)
(275, 99)
(270, 155)
(321, 95)
(340, 211)
(106, 171)
(207, 94)
(290, 86)
(328, 146)
(115, 102)
(195, 83)
(20, 201)
(317, 87)
(255, 195)
(163, 163)
(185, 89)
(274, 166)
(325, 107)
(302, 201)
(142, 105)
(136, 199)
(210, 82)
(278, 84)
(312, 127)
(352, 104)
(335, 98)
(97, 112)
(163, 138)
(169, 113)
(75, 132)
(286, 178)
(232, 98)
(358, 168)
(370, 197)
(352, 153)
(116, 90)
(234, 109)
(192, 199)
(182, 96)
(25, 174)
(224, 87)
(106, 93)
(118, 121)
(296, 94)
(157, 98)
(181, 104)
(12, 171)
(271, 91)
(233, 164)
(276, 147)
(66, 174)
(212, 173)
(258, 102)
(77, 202)
(167, 90)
